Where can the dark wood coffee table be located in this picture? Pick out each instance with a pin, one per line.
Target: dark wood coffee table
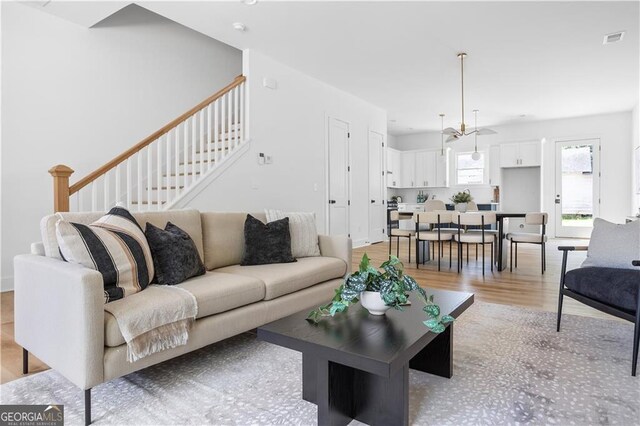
(356, 365)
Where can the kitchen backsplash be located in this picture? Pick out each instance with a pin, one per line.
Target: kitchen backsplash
(481, 194)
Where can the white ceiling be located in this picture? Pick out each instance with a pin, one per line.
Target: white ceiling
(84, 13)
(541, 59)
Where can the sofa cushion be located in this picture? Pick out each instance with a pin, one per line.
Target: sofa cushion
(175, 256)
(613, 286)
(266, 243)
(115, 246)
(613, 245)
(284, 278)
(188, 220)
(223, 237)
(215, 292)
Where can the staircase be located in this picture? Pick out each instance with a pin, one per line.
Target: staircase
(159, 171)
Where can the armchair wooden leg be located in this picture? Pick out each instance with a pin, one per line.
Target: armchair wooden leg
(542, 257)
(450, 244)
(409, 248)
(491, 257)
(516, 255)
(25, 361)
(482, 258)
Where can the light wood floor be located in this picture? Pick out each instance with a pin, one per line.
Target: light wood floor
(525, 287)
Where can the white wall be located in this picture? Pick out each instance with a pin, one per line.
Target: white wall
(290, 124)
(81, 96)
(614, 131)
(635, 143)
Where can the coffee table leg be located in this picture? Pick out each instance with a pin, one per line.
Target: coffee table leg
(334, 394)
(381, 400)
(437, 357)
(309, 376)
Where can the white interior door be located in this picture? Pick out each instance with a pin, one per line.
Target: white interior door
(377, 212)
(577, 187)
(338, 170)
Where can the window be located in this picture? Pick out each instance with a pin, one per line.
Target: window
(468, 170)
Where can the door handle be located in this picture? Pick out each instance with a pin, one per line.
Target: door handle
(332, 201)
(557, 199)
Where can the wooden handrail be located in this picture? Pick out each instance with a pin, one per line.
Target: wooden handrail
(151, 138)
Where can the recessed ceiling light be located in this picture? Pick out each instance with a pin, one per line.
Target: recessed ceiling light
(392, 121)
(613, 37)
(249, 2)
(239, 26)
(522, 115)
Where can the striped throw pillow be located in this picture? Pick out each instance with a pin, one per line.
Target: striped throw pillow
(115, 246)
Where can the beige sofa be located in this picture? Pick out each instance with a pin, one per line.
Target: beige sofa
(59, 306)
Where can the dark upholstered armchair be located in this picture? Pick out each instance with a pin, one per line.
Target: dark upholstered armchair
(611, 290)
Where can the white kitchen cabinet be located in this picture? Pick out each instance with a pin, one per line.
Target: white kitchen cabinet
(426, 175)
(394, 168)
(525, 154)
(494, 166)
(529, 154)
(408, 165)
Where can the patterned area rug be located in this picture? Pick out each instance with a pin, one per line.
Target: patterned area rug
(510, 367)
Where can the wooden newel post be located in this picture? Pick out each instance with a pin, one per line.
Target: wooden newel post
(60, 175)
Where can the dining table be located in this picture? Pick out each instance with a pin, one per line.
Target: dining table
(502, 250)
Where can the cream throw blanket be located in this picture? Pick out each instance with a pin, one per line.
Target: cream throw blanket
(155, 319)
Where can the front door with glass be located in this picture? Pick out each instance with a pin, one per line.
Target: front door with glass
(577, 187)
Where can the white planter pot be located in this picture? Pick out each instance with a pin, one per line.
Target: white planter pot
(461, 207)
(373, 303)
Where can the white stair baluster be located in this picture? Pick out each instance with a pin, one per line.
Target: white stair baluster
(106, 191)
(194, 147)
(80, 201)
(241, 124)
(209, 137)
(202, 152)
(167, 168)
(229, 120)
(236, 117)
(139, 180)
(159, 172)
(216, 130)
(185, 154)
(129, 182)
(149, 175)
(118, 183)
(94, 196)
(223, 124)
(177, 162)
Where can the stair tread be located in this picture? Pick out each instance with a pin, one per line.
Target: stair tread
(155, 188)
(182, 174)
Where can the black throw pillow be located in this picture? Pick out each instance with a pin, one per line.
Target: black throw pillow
(266, 243)
(175, 255)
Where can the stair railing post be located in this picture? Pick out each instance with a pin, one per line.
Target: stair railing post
(60, 175)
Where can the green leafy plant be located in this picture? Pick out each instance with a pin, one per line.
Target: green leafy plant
(462, 197)
(392, 284)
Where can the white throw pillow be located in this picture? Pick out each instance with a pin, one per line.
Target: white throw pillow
(304, 235)
(613, 245)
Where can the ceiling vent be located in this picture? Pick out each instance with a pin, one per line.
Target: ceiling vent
(613, 37)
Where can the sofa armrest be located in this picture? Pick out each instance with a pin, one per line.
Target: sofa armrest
(59, 316)
(338, 246)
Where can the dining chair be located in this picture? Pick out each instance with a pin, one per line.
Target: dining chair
(394, 216)
(434, 205)
(479, 237)
(537, 219)
(435, 235)
(472, 206)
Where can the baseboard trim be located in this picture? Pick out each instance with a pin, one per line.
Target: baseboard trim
(361, 243)
(6, 284)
